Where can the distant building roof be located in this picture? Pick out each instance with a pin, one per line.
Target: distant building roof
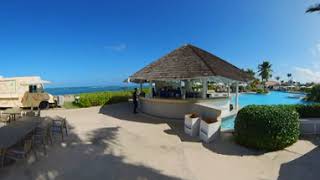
(272, 83)
(189, 62)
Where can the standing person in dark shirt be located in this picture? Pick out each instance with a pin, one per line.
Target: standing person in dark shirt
(153, 92)
(135, 101)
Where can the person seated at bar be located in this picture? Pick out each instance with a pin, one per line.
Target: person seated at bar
(162, 92)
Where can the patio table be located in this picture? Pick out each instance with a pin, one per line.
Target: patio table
(12, 112)
(16, 131)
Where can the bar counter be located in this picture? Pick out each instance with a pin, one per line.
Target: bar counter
(177, 108)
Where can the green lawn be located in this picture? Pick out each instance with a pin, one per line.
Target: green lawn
(70, 105)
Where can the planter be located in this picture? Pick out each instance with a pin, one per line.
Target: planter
(191, 125)
(209, 130)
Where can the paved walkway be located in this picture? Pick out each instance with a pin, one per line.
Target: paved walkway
(112, 143)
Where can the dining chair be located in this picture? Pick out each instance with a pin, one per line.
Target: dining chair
(5, 118)
(21, 151)
(42, 137)
(39, 112)
(30, 113)
(17, 113)
(2, 155)
(59, 125)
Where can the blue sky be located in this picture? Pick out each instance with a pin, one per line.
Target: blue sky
(96, 42)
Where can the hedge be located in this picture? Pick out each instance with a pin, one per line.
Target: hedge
(314, 94)
(267, 127)
(262, 91)
(308, 111)
(103, 98)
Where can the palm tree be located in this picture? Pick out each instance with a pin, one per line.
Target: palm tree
(289, 75)
(265, 71)
(277, 78)
(250, 73)
(314, 8)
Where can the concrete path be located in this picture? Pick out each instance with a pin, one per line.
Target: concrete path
(112, 143)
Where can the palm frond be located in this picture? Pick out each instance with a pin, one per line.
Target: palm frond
(314, 8)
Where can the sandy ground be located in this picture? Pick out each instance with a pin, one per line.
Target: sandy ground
(112, 143)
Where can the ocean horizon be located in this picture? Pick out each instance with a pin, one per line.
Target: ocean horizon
(85, 89)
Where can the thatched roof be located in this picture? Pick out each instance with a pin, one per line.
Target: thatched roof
(188, 62)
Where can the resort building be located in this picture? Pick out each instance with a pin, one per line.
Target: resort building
(274, 85)
(186, 78)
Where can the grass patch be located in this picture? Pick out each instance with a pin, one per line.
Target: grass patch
(104, 98)
(70, 105)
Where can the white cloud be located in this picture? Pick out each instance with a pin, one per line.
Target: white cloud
(315, 51)
(306, 75)
(116, 47)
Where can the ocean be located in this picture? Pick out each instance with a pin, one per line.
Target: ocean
(87, 89)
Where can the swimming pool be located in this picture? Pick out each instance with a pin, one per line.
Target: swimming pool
(272, 98)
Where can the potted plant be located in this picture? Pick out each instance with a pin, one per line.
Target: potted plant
(209, 129)
(191, 124)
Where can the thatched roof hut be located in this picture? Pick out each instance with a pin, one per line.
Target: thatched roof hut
(189, 62)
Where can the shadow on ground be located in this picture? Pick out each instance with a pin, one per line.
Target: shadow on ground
(92, 158)
(224, 145)
(124, 111)
(305, 167)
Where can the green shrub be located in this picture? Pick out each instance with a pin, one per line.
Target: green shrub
(267, 127)
(102, 98)
(259, 91)
(307, 111)
(262, 91)
(254, 89)
(306, 90)
(314, 94)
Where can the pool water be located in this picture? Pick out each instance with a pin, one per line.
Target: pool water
(228, 122)
(272, 98)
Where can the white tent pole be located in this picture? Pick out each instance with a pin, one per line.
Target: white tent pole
(183, 89)
(237, 96)
(204, 88)
(150, 86)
